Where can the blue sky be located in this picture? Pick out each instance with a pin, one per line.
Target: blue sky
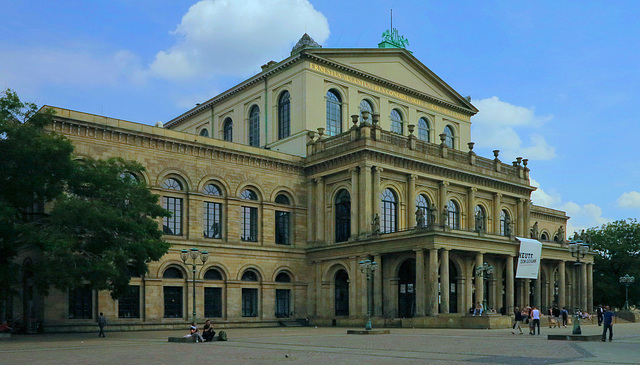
(554, 80)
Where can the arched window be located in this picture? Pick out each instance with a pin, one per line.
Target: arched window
(172, 225)
(423, 129)
(213, 274)
(204, 132)
(283, 221)
(481, 219)
(334, 113)
(366, 106)
(283, 277)
(212, 213)
(389, 210)
(343, 216)
(227, 130)
(254, 126)
(249, 222)
(544, 236)
(249, 275)
(172, 273)
(449, 136)
(284, 115)
(172, 184)
(212, 189)
(396, 121)
(249, 194)
(454, 215)
(422, 203)
(282, 199)
(505, 223)
(129, 177)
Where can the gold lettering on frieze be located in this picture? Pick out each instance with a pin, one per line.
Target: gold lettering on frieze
(384, 90)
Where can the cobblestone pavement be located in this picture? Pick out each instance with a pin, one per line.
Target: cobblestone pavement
(309, 345)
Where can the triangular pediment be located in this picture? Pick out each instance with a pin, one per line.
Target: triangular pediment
(400, 68)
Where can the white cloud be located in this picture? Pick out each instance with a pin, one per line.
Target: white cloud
(581, 216)
(495, 127)
(629, 200)
(226, 37)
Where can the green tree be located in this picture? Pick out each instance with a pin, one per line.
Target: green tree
(99, 227)
(617, 245)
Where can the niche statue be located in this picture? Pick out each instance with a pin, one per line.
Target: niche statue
(420, 219)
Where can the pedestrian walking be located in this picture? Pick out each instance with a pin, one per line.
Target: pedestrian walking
(518, 321)
(565, 317)
(102, 322)
(600, 312)
(608, 317)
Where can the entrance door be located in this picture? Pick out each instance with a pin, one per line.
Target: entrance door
(213, 302)
(341, 293)
(407, 289)
(282, 303)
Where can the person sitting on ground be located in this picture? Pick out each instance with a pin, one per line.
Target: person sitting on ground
(207, 331)
(194, 332)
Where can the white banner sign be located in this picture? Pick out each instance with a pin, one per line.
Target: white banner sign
(528, 258)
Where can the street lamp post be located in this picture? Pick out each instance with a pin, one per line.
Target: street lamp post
(626, 280)
(484, 272)
(193, 254)
(368, 267)
(578, 249)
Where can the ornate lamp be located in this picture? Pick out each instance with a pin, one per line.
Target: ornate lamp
(193, 254)
(368, 267)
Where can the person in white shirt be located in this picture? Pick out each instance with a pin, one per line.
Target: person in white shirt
(535, 316)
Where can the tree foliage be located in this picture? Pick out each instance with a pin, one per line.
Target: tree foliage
(99, 227)
(617, 245)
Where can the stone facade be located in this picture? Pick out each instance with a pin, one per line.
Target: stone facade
(351, 195)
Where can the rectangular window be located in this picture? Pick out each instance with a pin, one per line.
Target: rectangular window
(282, 227)
(212, 220)
(172, 225)
(249, 229)
(80, 303)
(172, 302)
(213, 302)
(282, 303)
(129, 305)
(249, 302)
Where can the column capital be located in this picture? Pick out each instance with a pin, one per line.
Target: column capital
(377, 168)
(353, 169)
(473, 188)
(413, 177)
(499, 195)
(522, 200)
(318, 179)
(444, 183)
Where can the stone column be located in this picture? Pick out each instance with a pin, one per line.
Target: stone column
(520, 218)
(509, 284)
(375, 195)
(471, 208)
(479, 281)
(537, 292)
(377, 287)
(442, 201)
(420, 284)
(310, 212)
(497, 197)
(561, 285)
(526, 293)
(320, 209)
(411, 200)
(527, 214)
(583, 286)
(590, 287)
(354, 202)
(444, 281)
(364, 200)
(433, 282)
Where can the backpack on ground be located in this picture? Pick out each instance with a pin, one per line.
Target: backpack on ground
(222, 336)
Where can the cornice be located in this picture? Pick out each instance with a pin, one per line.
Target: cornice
(167, 144)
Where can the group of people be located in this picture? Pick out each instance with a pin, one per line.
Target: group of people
(207, 332)
(530, 316)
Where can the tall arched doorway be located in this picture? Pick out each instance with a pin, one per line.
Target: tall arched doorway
(453, 288)
(407, 289)
(341, 298)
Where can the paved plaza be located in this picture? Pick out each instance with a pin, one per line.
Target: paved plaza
(309, 345)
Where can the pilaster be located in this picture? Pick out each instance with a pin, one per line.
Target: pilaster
(444, 281)
(411, 200)
(319, 210)
(420, 284)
